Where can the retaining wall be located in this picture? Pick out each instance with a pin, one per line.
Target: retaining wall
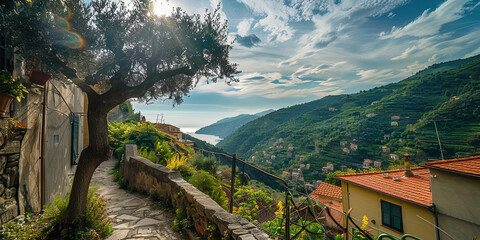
(146, 176)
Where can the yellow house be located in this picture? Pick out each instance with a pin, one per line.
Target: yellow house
(394, 201)
(174, 132)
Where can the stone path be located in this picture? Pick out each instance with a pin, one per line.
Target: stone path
(133, 215)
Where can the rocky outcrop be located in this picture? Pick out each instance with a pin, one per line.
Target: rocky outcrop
(146, 176)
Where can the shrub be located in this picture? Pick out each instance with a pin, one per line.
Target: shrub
(97, 223)
(209, 164)
(181, 221)
(209, 185)
(176, 162)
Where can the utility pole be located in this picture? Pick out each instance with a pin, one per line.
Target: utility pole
(438, 137)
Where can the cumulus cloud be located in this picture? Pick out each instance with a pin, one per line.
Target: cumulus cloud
(248, 41)
(244, 26)
(429, 23)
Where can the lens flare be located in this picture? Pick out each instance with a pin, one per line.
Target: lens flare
(64, 36)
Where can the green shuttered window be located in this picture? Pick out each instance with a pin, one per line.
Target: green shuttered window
(392, 216)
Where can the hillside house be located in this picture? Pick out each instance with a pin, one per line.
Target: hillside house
(273, 157)
(302, 165)
(374, 102)
(289, 154)
(395, 118)
(286, 174)
(392, 202)
(332, 109)
(367, 163)
(325, 170)
(331, 196)
(254, 158)
(455, 186)
(343, 168)
(394, 124)
(377, 164)
(301, 158)
(346, 150)
(386, 137)
(330, 166)
(394, 156)
(371, 115)
(343, 143)
(385, 149)
(268, 162)
(353, 147)
(307, 166)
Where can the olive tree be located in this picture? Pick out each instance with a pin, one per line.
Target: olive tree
(114, 52)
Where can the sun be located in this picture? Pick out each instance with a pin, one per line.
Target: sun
(162, 7)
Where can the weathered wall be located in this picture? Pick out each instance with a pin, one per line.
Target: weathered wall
(9, 157)
(28, 112)
(146, 176)
(58, 155)
(334, 203)
(458, 216)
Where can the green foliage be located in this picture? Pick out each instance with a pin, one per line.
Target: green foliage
(148, 139)
(277, 226)
(209, 185)
(251, 201)
(97, 223)
(181, 221)
(11, 86)
(209, 164)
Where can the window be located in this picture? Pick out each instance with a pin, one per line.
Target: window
(392, 216)
(56, 139)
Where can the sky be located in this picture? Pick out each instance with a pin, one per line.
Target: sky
(296, 51)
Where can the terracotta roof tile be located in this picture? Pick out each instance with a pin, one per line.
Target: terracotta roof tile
(470, 165)
(414, 189)
(327, 190)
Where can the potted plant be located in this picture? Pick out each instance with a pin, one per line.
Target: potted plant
(9, 88)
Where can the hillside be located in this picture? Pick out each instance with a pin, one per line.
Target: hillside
(349, 128)
(226, 126)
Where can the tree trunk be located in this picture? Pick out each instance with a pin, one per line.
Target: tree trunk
(97, 151)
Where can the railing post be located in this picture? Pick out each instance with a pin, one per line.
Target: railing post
(232, 186)
(287, 215)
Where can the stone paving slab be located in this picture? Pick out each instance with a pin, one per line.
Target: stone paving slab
(133, 215)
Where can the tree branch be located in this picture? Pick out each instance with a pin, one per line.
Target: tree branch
(150, 81)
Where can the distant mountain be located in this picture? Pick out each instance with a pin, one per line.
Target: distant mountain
(393, 119)
(224, 127)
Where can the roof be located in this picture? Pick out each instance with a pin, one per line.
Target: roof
(414, 189)
(327, 190)
(466, 166)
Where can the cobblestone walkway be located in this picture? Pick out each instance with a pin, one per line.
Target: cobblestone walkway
(133, 215)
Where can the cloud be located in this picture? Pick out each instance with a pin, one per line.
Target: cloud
(376, 76)
(429, 23)
(244, 26)
(248, 41)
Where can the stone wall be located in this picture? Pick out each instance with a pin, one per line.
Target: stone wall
(9, 158)
(146, 176)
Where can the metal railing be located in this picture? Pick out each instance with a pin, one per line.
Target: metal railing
(301, 211)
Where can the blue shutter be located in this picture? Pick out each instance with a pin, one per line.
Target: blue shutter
(74, 149)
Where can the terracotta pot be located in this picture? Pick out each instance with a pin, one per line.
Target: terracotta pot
(5, 100)
(39, 77)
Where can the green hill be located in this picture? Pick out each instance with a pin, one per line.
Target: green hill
(226, 126)
(399, 116)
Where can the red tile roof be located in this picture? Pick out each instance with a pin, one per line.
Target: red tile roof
(469, 166)
(327, 190)
(414, 189)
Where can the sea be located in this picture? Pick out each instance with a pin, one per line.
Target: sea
(212, 139)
